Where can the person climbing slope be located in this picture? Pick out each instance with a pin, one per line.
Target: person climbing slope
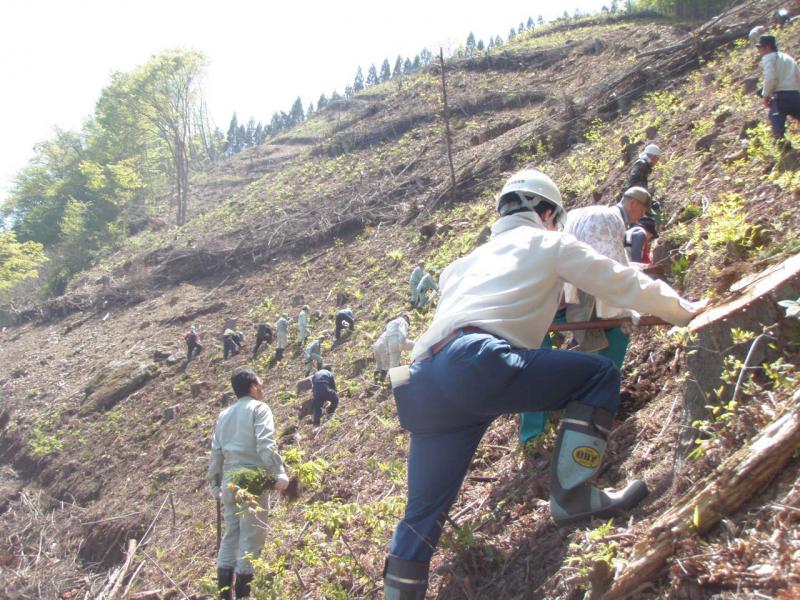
(323, 389)
(282, 330)
(413, 281)
(480, 358)
(344, 318)
(302, 325)
(192, 338)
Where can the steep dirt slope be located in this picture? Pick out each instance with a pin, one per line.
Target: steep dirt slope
(79, 479)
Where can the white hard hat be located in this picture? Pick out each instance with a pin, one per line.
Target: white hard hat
(526, 189)
(652, 150)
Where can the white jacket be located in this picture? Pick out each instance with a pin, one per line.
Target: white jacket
(603, 228)
(781, 73)
(244, 437)
(510, 286)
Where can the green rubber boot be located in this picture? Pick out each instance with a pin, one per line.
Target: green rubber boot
(404, 579)
(576, 459)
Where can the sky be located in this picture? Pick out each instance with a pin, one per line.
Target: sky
(57, 55)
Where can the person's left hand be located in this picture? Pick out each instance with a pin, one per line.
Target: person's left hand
(216, 491)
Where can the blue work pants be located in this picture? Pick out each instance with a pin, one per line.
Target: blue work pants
(452, 398)
(782, 105)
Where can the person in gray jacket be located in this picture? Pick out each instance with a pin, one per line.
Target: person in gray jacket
(243, 437)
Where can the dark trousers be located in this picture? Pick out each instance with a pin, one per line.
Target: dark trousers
(452, 398)
(191, 346)
(230, 347)
(259, 341)
(320, 398)
(340, 321)
(782, 105)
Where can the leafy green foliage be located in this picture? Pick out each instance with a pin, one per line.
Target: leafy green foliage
(253, 481)
(18, 261)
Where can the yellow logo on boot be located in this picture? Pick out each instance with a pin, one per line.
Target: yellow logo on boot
(586, 456)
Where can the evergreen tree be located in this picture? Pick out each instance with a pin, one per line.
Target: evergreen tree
(408, 66)
(372, 75)
(530, 23)
(469, 49)
(322, 102)
(310, 110)
(398, 67)
(258, 135)
(491, 43)
(296, 114)
(386, 71)
(498, 41)
(231, 143)
(521, 27)
(250, 133)
(241, 138)
(577, 14)
(425, 57)
(335, 96)
(348, 91)
(614, 6)
(480, 45)
(540, 20)
(565, 16)
(358, 82)
(417, 63)
(511, 34)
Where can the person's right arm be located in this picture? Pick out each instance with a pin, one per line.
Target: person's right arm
(620, 285)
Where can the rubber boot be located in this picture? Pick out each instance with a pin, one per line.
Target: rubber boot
(404, 579)
(243, 584)
(225, 582)
(576, 459)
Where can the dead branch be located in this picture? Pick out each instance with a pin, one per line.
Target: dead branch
(721, 493)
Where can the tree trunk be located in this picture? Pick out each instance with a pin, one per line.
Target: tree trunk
(756, 307)
(735, 481)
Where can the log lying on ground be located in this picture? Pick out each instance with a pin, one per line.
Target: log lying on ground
(734, 482)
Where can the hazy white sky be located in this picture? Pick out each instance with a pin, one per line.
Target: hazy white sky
(57, 55)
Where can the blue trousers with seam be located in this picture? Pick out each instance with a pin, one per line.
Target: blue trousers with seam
(452, 398)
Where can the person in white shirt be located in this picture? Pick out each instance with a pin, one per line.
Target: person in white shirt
(390, 345)
(604, 229)
(480, 358)
(244, 437)
(781, 90)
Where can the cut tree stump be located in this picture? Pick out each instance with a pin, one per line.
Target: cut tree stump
(735, 481)
(755, 308)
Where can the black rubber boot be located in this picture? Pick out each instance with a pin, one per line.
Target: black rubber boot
(404, 579)
(576, 459)
(225, 583)
(243, 584)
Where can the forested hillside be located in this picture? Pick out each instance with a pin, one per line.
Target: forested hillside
(105, 427)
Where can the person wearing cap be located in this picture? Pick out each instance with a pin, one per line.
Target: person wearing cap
(302, 325)
(426, 284)
(282, 331)
(264, 335)
(413, 281)
(231, 342)
(783, 17)
(323, 391)
(604, 229)
(642, 167)
(390, 345)
(755, 33)
(313, 354)
(192, 338)
(638, 238)
(781, 91)
(343, 318)
(480, 358)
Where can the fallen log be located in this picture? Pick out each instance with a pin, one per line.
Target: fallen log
(735, 481)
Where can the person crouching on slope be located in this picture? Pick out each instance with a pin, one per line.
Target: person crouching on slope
(480, 358)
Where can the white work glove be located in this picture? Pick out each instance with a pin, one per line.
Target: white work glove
(215, 490)
(697, 307)
(628, 328)
(281, 482)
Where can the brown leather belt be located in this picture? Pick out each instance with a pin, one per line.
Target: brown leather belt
(440, 345)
